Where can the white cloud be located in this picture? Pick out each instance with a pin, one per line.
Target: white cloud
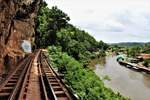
(108, 19)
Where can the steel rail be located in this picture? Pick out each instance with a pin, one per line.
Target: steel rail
(58, 89)
(70, 92)
(42, 82)
(16, 91)
(8, 90)
(22, 93)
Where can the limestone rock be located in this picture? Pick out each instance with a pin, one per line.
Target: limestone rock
(17, 23)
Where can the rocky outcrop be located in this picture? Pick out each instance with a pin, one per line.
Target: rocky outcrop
(17, 23)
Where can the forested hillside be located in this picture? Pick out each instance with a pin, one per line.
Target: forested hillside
(130, 44)
(70, 50)
(53, 29)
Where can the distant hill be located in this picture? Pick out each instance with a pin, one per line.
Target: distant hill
(128, 44)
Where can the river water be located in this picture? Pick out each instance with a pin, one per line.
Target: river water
(129, 83)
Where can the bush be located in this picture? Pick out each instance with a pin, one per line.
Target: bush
(83, 81)
(147, 62)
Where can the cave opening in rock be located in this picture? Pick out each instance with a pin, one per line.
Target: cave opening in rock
(26, 46)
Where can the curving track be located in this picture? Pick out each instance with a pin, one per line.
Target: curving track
(54, 88)
(11, 88)
(18, 85)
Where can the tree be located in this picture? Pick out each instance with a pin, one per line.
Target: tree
(53, 29)
(82, 81)
(133, 51)
(49, 22)
(102, 45)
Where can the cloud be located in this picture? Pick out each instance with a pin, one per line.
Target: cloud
(109, 20)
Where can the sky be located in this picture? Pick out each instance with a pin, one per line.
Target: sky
(112, 21)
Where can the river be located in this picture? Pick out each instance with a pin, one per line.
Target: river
(129, 83)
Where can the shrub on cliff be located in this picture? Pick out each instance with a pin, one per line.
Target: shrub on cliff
(82, 81)
(49, 21)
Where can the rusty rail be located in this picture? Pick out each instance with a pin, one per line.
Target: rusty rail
(51, 86)
(10, 89)
(56, 90)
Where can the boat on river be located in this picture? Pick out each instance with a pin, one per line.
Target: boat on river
(134, 66)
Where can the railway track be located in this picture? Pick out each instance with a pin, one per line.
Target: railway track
(11, 88)
(53, 87)
(48, 85)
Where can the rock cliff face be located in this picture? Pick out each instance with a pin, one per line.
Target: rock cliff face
(17, 23)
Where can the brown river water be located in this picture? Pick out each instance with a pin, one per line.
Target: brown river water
(129, 83)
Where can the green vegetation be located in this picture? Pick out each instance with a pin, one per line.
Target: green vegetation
(147, 51)
(133, 51)
(106, 77)
(70, 52)
(146, 48)
(53, 29)
(130, 48)
(130, 44)
(147, 62)
(116, 48)
(82, 81)
(50, 21)
(79, 44)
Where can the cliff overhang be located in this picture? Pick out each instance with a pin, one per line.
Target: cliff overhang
(17, 23)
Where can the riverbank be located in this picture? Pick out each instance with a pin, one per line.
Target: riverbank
(134, 66)
(81, 80)
(129, 83)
